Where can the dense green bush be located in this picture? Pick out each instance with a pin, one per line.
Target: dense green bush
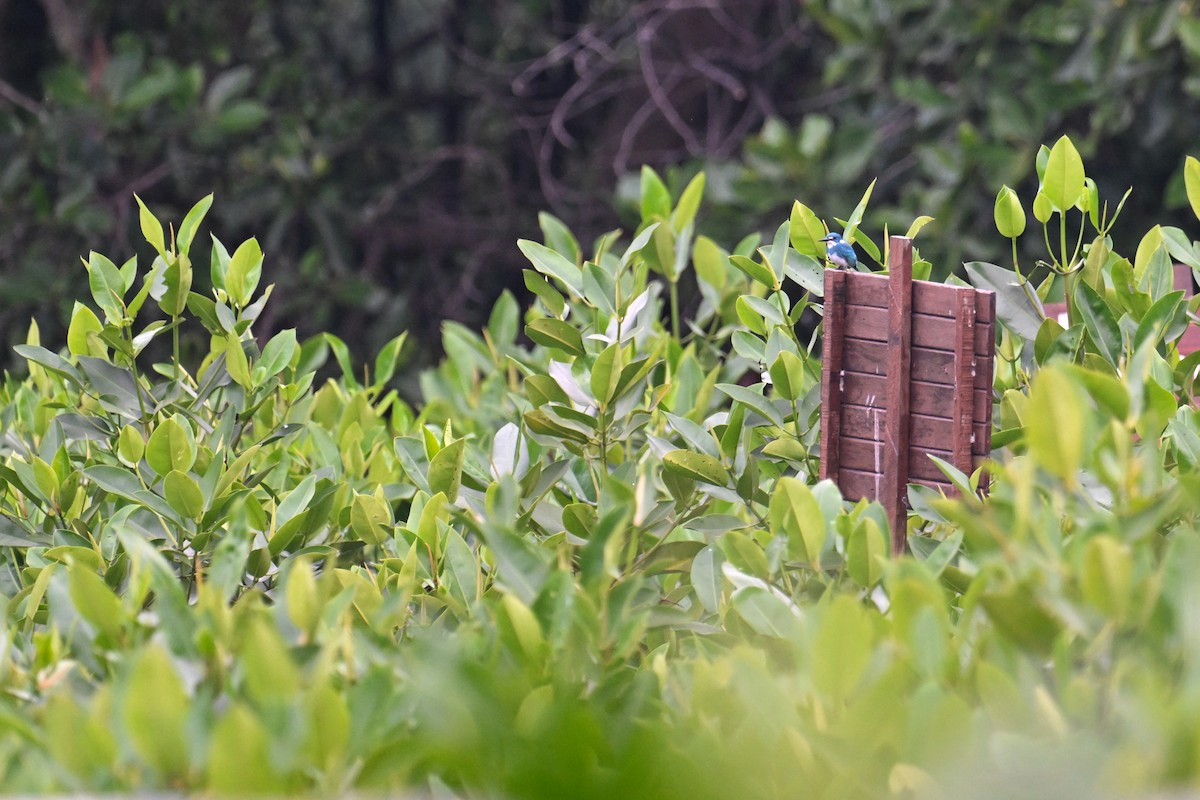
(599, 564)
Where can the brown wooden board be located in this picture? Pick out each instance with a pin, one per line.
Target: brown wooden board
(907, 374)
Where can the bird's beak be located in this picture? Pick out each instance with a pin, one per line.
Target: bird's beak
(827, 238)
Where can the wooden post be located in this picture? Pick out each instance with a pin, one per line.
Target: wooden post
(831, 389)
(964, 379)
(897, 420)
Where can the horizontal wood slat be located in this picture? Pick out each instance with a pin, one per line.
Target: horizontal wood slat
(935, 299)
(931, 433)
(929, 332)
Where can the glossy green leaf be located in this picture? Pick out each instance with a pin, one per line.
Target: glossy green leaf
(555, 333)
(696, 466)
(1063, 179)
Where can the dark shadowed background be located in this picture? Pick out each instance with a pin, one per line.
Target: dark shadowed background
(388, 153)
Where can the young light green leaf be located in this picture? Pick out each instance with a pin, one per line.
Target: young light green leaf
(1010, 217)
(187, 228)
(152, 229)
(1191, 180)
(856, 216)
(688, 205)
(245, 270)
(656, 200)
(805, 231)
(1063, 180)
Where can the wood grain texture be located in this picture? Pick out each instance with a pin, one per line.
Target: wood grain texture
(898, 358)
(831, 371)
(964, 380)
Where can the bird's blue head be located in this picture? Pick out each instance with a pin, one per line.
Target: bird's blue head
(833, 237)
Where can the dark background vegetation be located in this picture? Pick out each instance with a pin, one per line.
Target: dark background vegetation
(387, 153)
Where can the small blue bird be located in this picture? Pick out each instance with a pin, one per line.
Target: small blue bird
(840, 252)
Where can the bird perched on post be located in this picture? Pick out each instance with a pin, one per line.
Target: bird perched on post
(839, 252)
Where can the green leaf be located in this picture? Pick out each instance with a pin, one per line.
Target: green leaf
(795, 513)
(1107, 578)
(856, 216)
(191, 222)
(94, 601)
(1191, 180)
(549, 296)
(807, 272)
(555, 333)
(460, 569)
(760, 273)
(696, 466)
(656, 200)
(154, 709)
(706, 578)
(446, 468)
(371, 518)
(83, 323)
(1063, 181)
(1099, 321)
(841, 648)
(184, 495)
(805, 231)
(766, 613)
(177, 279)
(1010, 217)
(916, 226)
(239, 756)
(276, 355)
(1054, 423)
(754, 400)
(558, 236)
(606, 373)
(171, 446)
(245, 270)
(866, 553)
(236, 362)
(553, 264)
(152, 229)
(688, 205)
(108, 287)
(130, 446)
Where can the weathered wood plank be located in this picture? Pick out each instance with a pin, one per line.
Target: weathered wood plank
(930, 332)
(931, 398)
(985, 350)
(871, 358)
(865, 455)
(831, 371)
(899, 358)
(964, 379)
(864, 422)
(928, 298)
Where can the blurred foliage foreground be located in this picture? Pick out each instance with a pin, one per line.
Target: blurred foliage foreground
(600, 565)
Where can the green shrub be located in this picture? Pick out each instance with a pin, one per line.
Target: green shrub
(596, 561)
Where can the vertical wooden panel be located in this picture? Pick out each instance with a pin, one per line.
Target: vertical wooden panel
(964, 378)
(985, 308)
(897, 421)
(831, 372)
